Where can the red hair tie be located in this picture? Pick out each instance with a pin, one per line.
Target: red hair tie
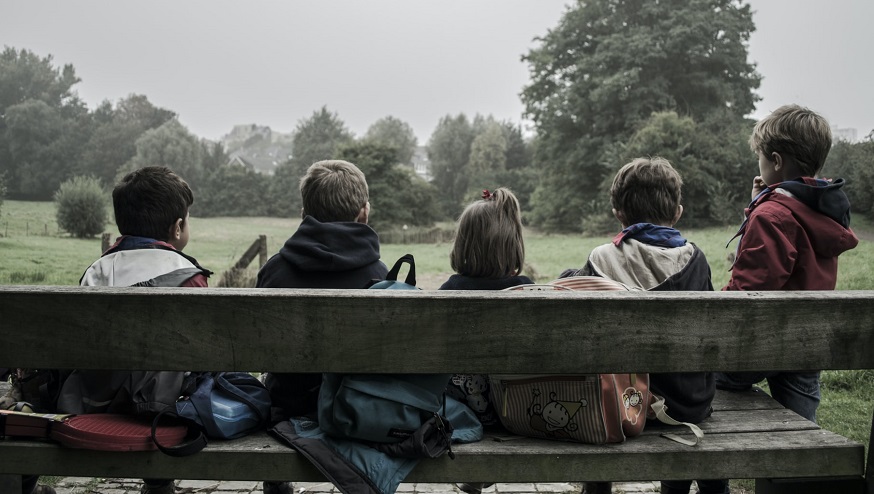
(487, 195)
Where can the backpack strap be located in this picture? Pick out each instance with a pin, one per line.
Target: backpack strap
(396, 269)
(661, 411)
(193, 442)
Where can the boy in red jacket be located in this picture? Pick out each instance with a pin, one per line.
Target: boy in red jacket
(795, 228)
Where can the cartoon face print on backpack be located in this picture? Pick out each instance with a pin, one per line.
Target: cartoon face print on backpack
(633, 401)
(555, 418)
(476, 387)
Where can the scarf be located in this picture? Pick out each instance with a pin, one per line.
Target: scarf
(647, 233)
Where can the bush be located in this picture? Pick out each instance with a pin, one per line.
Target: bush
(81, 204)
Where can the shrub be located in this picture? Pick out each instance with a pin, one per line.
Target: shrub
(81, 204)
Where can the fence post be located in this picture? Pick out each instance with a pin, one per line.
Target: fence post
(104, 242)
(262, 252)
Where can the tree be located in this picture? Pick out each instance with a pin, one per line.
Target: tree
(170, 145)
(232, 190)
(81, 204)
(317, 138)
(396, 133)
(449, 153)
(41, 123)
(113, 141)
(397, 195)
(488, 153)
(25, 76)
(43, 146)
(607, 66)
(854, 162)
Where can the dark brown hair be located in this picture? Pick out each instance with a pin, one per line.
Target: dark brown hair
(647, 190)
(488, 242)
(148, 201)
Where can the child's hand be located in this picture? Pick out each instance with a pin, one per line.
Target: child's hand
(758, 186)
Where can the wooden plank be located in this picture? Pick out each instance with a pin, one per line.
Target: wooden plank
(380, 331)
(783, 454)
(754, 399)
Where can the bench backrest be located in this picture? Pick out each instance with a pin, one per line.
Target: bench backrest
(377, 331)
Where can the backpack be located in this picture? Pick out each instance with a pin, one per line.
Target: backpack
(391, 279)
(219, 405)
(585, 408)
(387, 409)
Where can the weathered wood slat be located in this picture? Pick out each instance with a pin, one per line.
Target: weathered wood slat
(375, 331)
(760, 454)
(754, 399)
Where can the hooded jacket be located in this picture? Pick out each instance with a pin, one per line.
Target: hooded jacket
(688, 395)
(131, 261)
(325, 255)
(792, 236)
(141, 261)
(318, 255)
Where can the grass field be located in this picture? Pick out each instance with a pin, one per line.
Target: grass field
(34, 252)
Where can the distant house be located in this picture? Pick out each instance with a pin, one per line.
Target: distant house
(258, 147)
(241, 161)
(848, 134)
(421, 164)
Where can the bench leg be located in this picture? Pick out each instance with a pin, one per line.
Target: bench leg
(811, 486)
(10, 483)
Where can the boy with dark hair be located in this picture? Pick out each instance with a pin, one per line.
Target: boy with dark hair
(332, 248)
(151, 210)
(650, 254)
(795, 228)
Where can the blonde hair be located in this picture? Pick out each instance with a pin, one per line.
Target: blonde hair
(795, 131)
(333, 190)
(488, 242)
(647, 190)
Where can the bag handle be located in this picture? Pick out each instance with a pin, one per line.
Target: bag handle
(658, 406)
(396, 269)
(187, 447)
(222, 382)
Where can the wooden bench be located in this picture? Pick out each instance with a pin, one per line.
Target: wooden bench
(748, 436)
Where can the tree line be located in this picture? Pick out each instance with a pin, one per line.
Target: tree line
(610, 82)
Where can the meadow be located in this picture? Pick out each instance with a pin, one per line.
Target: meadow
(34, 252)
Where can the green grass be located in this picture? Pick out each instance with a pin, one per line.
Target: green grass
(32, 251)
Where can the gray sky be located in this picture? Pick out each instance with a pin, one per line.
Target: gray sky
(218, 63)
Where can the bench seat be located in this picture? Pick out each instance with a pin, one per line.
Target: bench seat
(748, 436)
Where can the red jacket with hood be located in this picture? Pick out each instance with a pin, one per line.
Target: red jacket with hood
(792, 237)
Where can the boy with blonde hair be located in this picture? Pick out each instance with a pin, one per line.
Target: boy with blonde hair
(795, 228)
(332, 248)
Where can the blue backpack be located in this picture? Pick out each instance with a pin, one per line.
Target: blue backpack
(391, 279)
(220, 405)
(386, 408)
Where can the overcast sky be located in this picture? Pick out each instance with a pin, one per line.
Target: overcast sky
(218, 63)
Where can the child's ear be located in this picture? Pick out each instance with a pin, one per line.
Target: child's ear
(777, 159)
(176, 230)
(619, 216)
(364, 214)
(678, 215)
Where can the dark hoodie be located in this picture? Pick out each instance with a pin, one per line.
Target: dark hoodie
(792, 237)
(318, 255)
(325, 255)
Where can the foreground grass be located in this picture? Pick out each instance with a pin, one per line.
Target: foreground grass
(34, 252)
